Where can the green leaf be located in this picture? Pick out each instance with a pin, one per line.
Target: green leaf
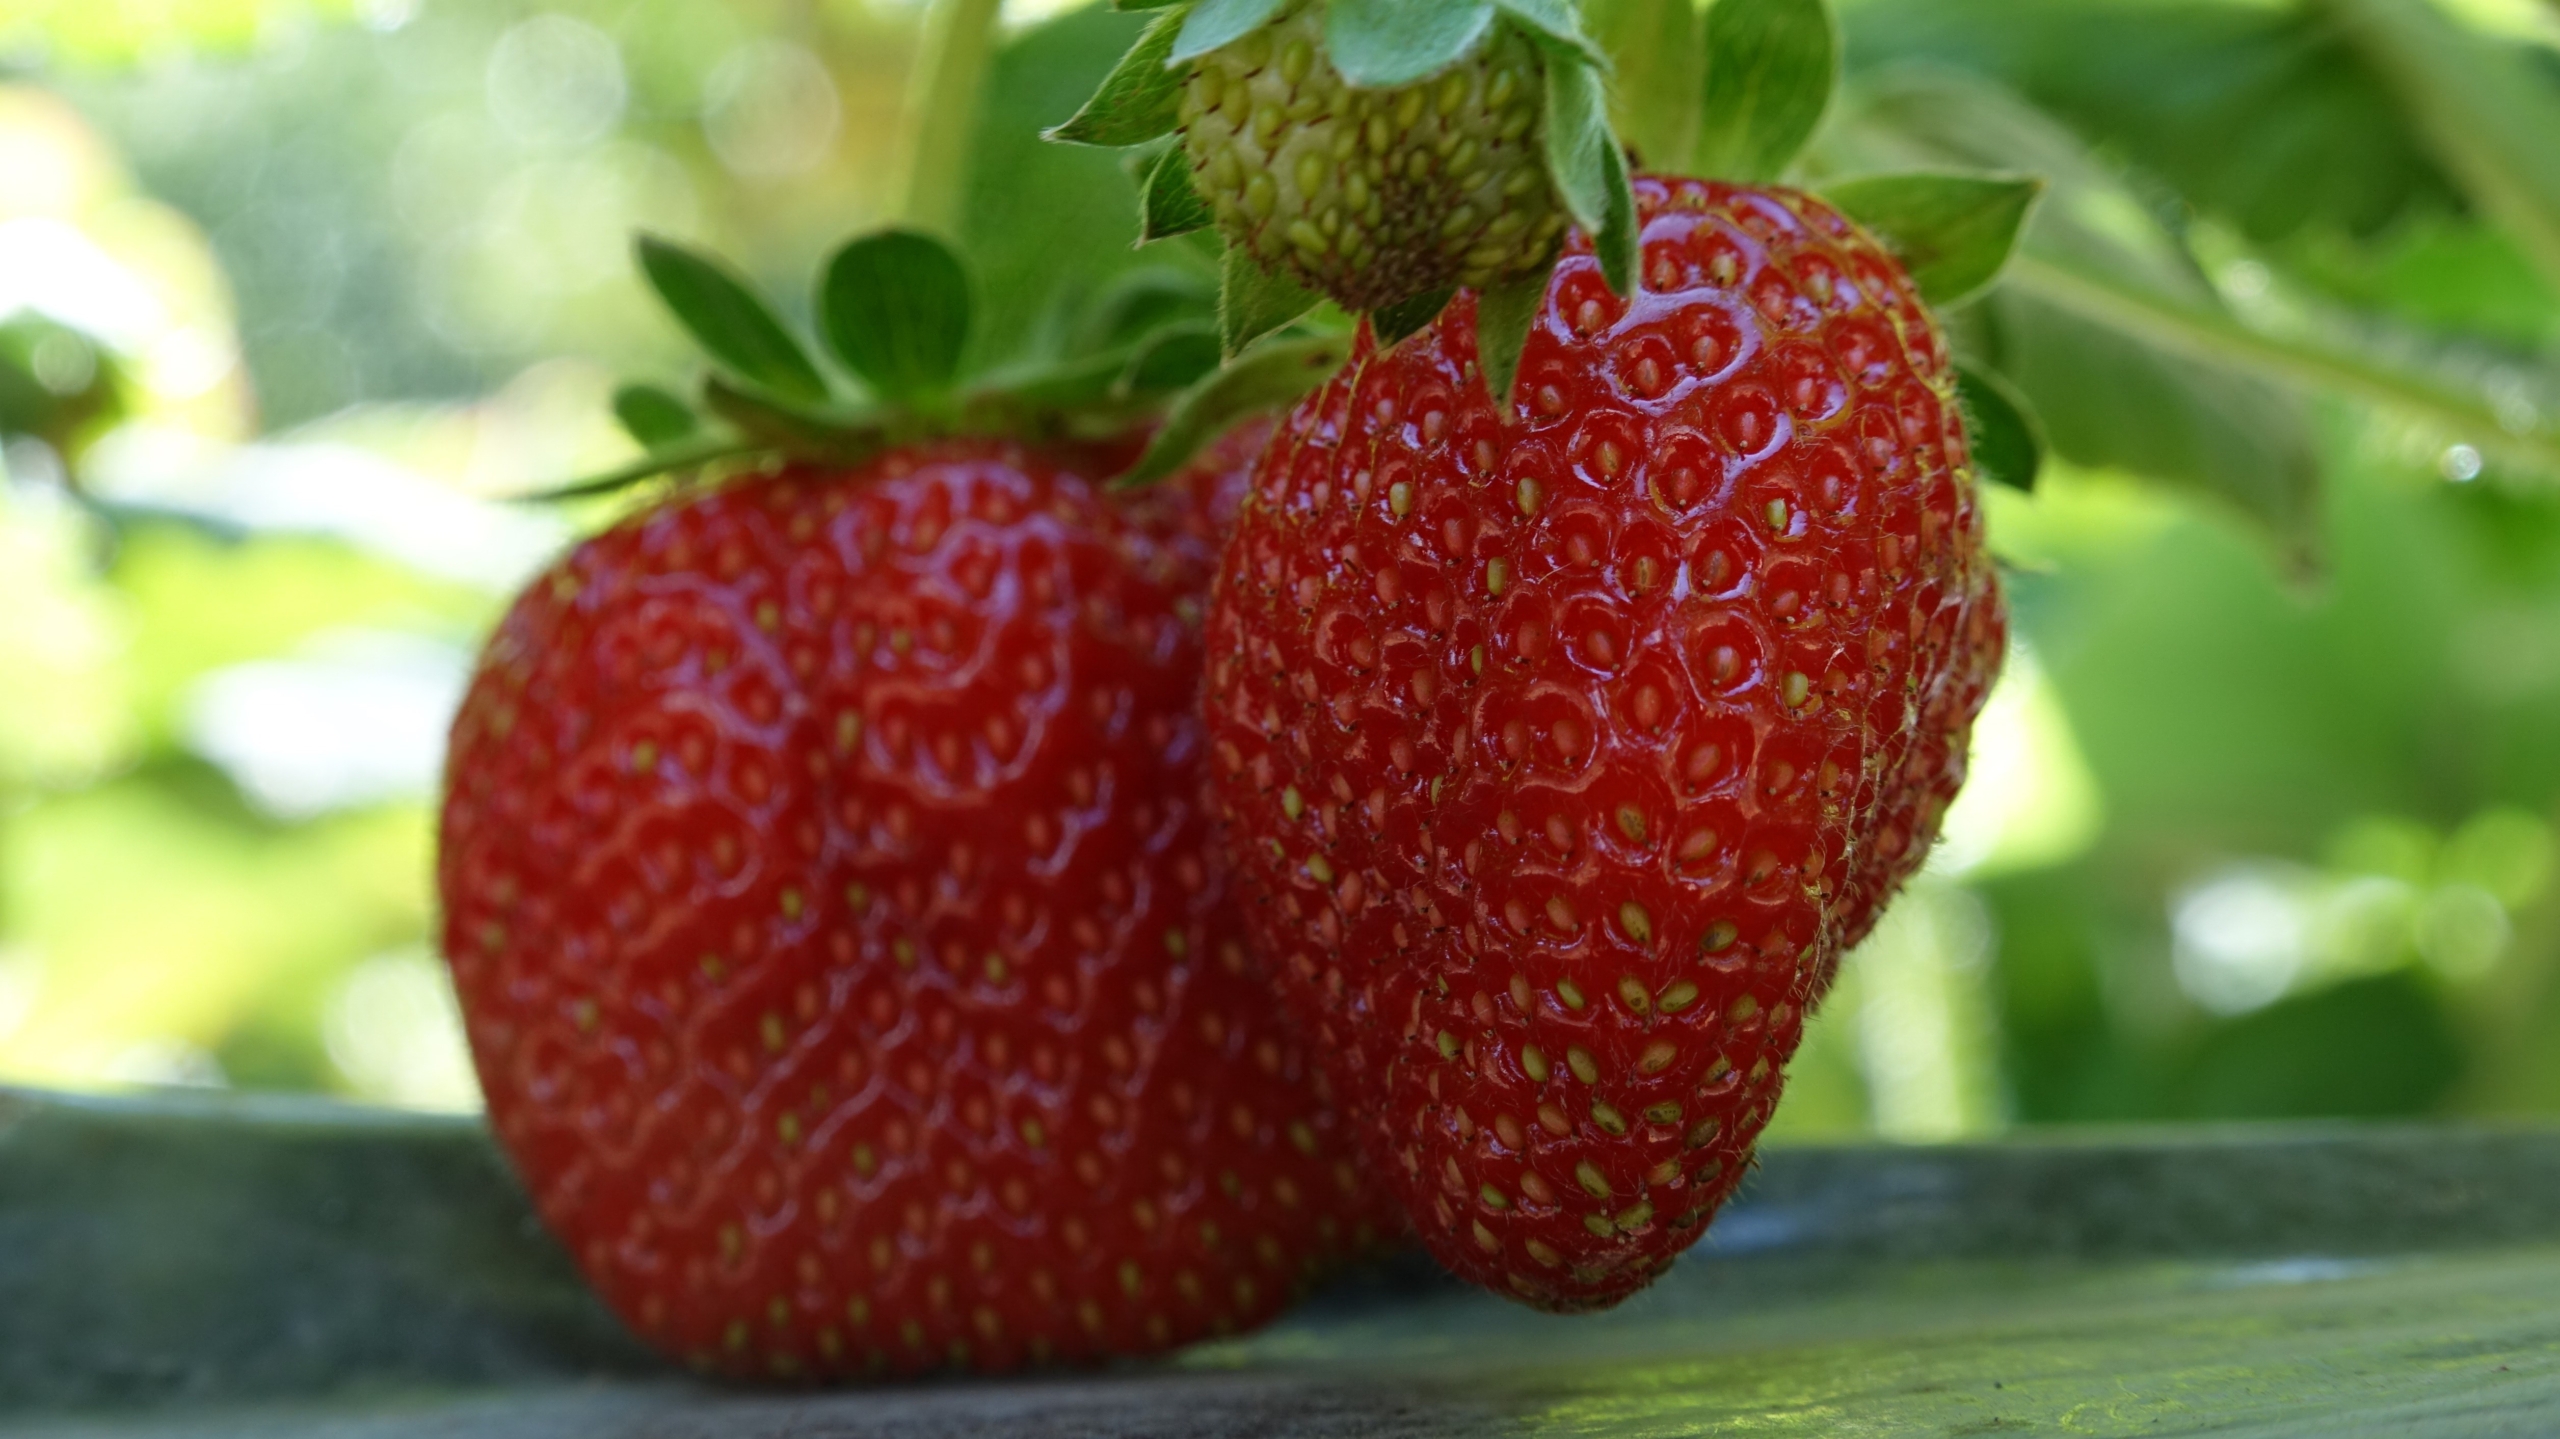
(2265, 116)
(729, 321)
(1140, 99)
(2489, 112)
(1142, 4)
(1588, 169)
(655, 417)
(1953, 232)
(1392, 323)
(1657, 71)
(1504, 316)
(1253, 302)
(1169, 205)
(1771, 67)
(1216, 24)
(1383, 44)
(1270, 376)
(2126, 386)
(2001, 428)
(894, 307)
(2113, 398)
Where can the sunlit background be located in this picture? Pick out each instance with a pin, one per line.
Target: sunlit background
(290, 293)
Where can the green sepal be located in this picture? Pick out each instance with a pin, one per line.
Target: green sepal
(1168, 204)
(1272, 375)
(1142, 96)
(1586, 166)
(1384, 44)
(1117, 385)
(1391, 323)
(780, 426)
(1253, 302)
(1114, 384)
(740, 331)
(1555, 22)
(894, 306)
(1955, 233)
(650, 466)
(1216, 24)
(2001, 428)
(654, 416)
(1505, 314)
(1620, 241)
(1771, 68)
(1086, 382)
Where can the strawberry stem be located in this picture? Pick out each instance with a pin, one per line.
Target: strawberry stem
(942, 112)
(2297, 363)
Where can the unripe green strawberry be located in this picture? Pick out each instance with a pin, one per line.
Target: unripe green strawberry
(1381, 153)
(1372, 196)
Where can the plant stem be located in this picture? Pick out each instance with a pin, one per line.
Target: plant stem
(941, 113)
(2299, 364)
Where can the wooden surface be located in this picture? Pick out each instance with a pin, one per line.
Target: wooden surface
(267, 1268)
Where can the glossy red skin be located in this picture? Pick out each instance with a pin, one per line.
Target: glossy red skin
(834, 907)
(1552, 858)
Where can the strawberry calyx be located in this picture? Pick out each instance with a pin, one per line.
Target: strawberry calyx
(1238, 103)
(894, 316)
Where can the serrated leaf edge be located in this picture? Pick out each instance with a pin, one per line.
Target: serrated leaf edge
(1168, 203)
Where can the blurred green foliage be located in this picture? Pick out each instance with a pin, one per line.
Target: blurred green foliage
(2262, 823)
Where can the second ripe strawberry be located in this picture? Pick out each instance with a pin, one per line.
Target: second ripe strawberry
(1563, 750)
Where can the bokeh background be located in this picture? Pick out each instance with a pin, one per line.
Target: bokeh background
(294, 294)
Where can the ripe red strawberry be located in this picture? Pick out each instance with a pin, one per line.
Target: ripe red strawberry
(831, 894)
(1559, 759)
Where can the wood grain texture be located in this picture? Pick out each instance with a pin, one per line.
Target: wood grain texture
(209, 1267)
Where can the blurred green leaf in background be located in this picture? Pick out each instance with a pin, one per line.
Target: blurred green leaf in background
(2261, 817)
